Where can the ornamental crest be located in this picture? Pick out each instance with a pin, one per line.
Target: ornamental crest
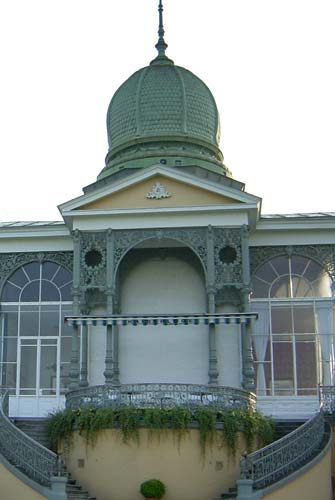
(157, 192)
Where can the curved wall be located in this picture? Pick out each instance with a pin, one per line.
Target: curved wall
(163, 353)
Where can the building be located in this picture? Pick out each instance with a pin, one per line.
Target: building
(165, 273)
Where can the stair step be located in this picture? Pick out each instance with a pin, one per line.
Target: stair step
(35, 428)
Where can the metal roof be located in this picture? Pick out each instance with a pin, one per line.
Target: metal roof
(16, 224)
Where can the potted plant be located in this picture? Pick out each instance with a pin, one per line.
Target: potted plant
(153, 489)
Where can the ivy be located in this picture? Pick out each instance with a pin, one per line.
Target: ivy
(257, 429)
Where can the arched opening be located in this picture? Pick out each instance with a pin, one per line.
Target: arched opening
(293, 337)
(160, 277)
(36, 344)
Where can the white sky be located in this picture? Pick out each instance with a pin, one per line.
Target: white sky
(269, 63)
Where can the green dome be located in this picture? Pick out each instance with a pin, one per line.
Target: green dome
(163, 113)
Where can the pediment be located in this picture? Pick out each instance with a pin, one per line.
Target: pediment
(184, 189)
(158, 191)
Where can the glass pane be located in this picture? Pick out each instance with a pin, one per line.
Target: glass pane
(65, 352)
(49, 269)
(49, 292)
(33, 270)
(29, 323)
(9, 349)
(8, 374)
(10, 324)
(10, 293)
(306, 368)
(303, 319)
(66, 292)
(280, 264)
(31, 292)
(62, 277)
(281, 287)
(314, 271)
(49, 321)
(48, 370)
(28, 368)
(283, 384)
(267, 273)
(18, 278)
(259, 289)
(322, 286)
(281, 319)
(299, 264)
(301, 287)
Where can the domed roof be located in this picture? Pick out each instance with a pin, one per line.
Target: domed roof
(163, 113)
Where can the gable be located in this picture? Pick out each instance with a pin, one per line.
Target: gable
(177, 194)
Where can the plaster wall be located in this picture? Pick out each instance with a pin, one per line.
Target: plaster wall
(315, 483)
(181, 194)
(25, 243)
(163, 353)
(113, 470)
(96, 352)
(143, 219)
(11, 488)
(292, 236)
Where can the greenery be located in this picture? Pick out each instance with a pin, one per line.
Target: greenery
(153, 488)
(257, 429)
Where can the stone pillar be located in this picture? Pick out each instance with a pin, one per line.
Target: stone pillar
(248, 371)
(83, 368)
(74, 369)
(213, 373)
(111, 372)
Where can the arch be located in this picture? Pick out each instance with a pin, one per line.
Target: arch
(294, 269)
(180, 236)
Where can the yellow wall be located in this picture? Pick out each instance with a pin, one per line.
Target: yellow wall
(113, 470)
(181, 195)
(315, 484)
(11, 488)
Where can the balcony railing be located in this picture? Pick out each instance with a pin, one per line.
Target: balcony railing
(281, 458)
(30, 457)
(161, 396)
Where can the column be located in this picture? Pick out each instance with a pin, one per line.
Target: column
(74, 369)
(248, 371)
(83, 368)
(111, 372)
(213, 373)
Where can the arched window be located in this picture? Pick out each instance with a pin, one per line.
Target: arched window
(292, 295)
(36, 344)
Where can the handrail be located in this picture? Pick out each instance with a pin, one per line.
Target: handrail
(274, 462)
(161, 395)
(31, 458)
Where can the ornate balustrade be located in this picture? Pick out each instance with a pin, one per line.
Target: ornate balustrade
(327, 399)
(161, 396)
(30, 457)
(274, 462)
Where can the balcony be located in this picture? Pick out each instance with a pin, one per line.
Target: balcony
(161, 396)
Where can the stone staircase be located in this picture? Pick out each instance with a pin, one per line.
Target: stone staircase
(282, 428)
(36, 429)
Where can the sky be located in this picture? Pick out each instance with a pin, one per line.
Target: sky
(269, 63)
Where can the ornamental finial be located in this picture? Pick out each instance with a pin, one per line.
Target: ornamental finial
(161, 45)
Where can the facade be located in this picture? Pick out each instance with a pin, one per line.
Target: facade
(166, 230)
(164, 283)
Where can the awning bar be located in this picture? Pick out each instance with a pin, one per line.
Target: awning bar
(162, 319)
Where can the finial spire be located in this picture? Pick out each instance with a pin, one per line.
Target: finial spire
(161, 45)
